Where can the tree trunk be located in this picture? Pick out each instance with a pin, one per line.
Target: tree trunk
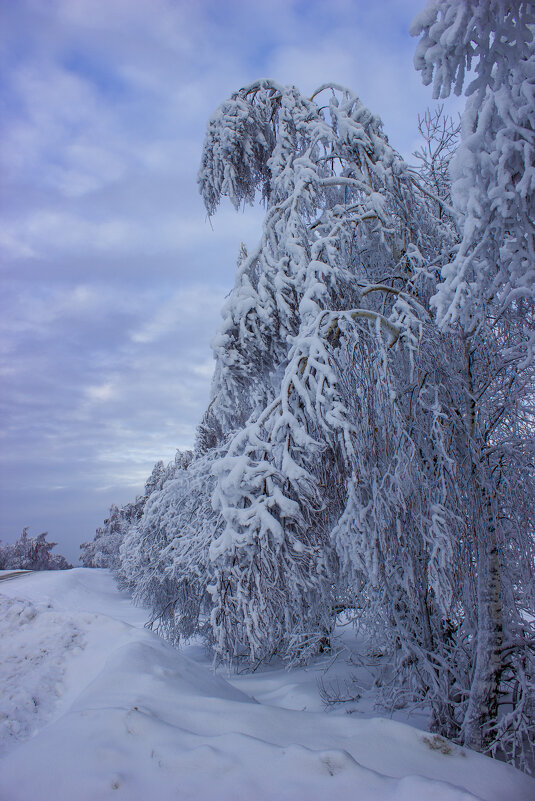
(482, 710)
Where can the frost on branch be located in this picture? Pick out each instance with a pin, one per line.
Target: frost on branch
(494, 169)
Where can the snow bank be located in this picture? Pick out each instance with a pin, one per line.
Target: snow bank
(128, 717)
(35, 642)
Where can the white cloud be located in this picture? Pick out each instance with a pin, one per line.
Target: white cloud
(13, 247)
(101, 392)
(205, 369)
(187, 308)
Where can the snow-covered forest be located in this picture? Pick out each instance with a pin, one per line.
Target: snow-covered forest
(369, 444)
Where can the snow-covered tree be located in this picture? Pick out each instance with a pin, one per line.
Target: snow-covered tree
(348, 473)
(354, 451)
(31, 553)
(323, 282)
(104, 549)
(486, 293)
(164, 556)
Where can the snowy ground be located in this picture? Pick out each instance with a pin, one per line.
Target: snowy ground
(95, 707)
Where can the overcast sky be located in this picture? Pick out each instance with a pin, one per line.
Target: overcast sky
(112, 276)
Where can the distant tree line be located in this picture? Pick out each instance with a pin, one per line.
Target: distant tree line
(31, 553)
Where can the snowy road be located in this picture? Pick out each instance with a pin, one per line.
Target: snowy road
(6, 575)
(95, 707)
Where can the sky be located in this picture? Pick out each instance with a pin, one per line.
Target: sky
(112, 275)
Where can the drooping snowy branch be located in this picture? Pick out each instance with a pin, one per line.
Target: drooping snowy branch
(494, 169)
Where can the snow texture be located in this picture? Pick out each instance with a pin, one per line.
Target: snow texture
(129, 717)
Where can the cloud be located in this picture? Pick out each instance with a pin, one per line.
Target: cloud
(101, 392)
(14, 247)
(113, 277)
(187, 309)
